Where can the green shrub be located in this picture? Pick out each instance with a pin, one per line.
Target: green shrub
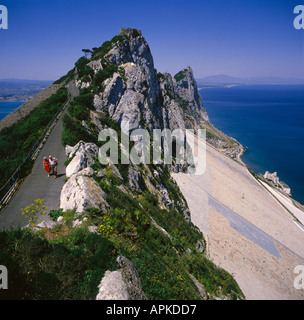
(69, 269)
(73, 132)
(55, 214)
(85, 100)
(102, 75)
(78, 111)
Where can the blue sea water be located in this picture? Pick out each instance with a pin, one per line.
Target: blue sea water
(7, 107)
(269, 121)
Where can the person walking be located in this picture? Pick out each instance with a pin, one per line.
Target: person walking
(54, 164)
(46, 165)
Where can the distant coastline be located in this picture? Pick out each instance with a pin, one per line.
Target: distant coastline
(229, 81)
(12, 90)
(28, 106)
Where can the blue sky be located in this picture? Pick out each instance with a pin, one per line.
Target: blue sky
(244, 38)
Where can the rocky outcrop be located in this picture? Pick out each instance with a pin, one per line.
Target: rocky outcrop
(186, 89)
(136, 93)
(146, 99)
(122, 284)
(81, 192)
(82, 155)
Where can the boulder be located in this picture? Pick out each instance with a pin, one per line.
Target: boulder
(112, 287)
(82, 192)
(122, 284)
(79, 153)
(135, 180)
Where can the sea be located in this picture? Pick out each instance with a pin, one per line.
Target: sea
(8, 107)
(269, 121)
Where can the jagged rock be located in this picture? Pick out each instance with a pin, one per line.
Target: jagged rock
(186, 89)
(161, 229)
(201, 289)
(93, 229)
(94, 116)
(112, 287)
(95, 65)
(201, 246)
(86, 126)
(79, 153)
(122, 284)
(44, 224)
(82, 192)
(141, 95)
(97, 102)
(76, 223)
(136, 182)
(129, 32)
(110, 97)
(75, 165)
(101, 174)
(138, 95)
(128, 109)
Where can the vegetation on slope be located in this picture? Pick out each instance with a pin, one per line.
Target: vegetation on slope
(17, 140)
(68, 263)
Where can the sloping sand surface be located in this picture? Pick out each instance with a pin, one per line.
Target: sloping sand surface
(249, 233)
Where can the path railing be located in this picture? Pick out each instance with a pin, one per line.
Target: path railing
(11, 186)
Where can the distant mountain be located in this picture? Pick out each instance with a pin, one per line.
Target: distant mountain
(12, 83)
(229, 80)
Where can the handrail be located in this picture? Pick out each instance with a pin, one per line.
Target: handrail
(33, 153)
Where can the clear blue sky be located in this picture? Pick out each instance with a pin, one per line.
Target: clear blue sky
(244, 38)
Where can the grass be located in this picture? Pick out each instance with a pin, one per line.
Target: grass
(68, 266)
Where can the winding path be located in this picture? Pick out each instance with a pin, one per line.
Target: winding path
(38, 185)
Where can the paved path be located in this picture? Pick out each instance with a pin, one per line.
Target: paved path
(38, 185)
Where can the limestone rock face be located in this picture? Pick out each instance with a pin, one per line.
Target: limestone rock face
(122, 284)
(140, 90)
(82, 192)
(143, 97)
(112, 287)
(82, 154)
(110, 97)
(186, 89)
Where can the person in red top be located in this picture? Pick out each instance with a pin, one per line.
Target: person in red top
(53, 165)
(46, 165)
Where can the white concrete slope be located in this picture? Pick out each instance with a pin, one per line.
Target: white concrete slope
(249, 233)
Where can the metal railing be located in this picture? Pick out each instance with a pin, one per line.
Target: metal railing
(13, 183)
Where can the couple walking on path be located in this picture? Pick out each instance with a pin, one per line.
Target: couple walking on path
(50, 165)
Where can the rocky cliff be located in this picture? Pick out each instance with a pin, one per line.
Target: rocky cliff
(133, 91)
(137, 93)
(137, 207)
